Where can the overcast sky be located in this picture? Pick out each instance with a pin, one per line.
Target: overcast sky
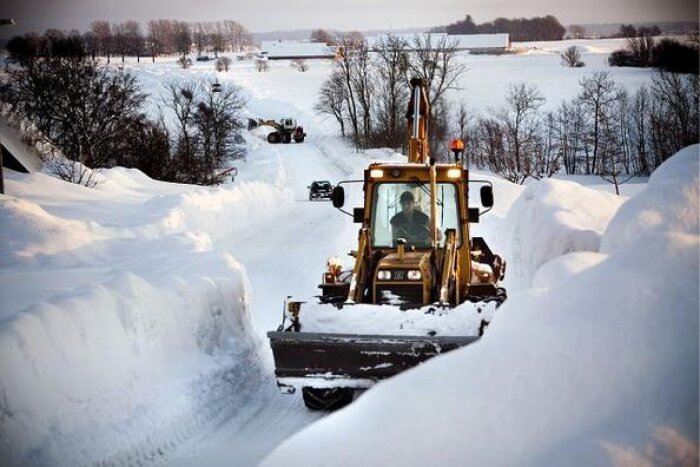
(270, 15)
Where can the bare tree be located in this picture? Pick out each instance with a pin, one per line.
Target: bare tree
(90, 41)
(200, 38)
(207, 122)
(641, 47)
(120, 42)
(391, 66)
(161, 35)
(364, 90)
(180, 97)
(261, 64)
(79, 108)
(222, 63)
(488, 147)
(299, 64)
(217, 39)
(639, 131)
(332, 99)
(597, 97)
(678, 96)
(183, 38)
(615, 148)
(321, 35)
(236, 35)
(346, 69)
(569, 132)
(547, 157)
(353, 39)
(520, 120)
(571, 57)
(577, 31)
(103, 35)
(134, 39)
(217, 120)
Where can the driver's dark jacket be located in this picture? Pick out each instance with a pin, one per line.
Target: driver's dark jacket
(415, 230)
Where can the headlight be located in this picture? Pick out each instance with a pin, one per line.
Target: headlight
(414, 275)
(454, 173)
(384, 275)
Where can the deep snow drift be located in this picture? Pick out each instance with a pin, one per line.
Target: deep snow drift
(601, 369)
(123, 327)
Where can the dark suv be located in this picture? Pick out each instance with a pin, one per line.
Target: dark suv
(320, 189)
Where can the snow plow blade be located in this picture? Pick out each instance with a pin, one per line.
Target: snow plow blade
(321, 360)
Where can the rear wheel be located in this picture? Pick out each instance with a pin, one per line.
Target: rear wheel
(327, 399)
(286, 138)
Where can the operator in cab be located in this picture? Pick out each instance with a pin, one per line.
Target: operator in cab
(410, 224)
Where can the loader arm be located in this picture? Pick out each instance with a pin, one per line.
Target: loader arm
(418, 114)
(357, 280)
(448, 267)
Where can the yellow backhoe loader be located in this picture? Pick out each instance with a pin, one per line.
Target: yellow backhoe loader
(414, 250)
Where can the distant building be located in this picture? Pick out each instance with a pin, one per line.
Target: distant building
(477, 43)
(281, 50)
(481, 43)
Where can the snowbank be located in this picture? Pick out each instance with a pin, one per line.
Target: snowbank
(552, 218)
(670, 206)
(126, 322)
(599, 370)
(563, 268)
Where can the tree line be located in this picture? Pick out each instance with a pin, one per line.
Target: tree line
(160, 37)
(367, 92)
(545, 28)
(643, 50)
(85, 117)
(605, 130)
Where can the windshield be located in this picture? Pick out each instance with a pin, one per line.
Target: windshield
(402, 210)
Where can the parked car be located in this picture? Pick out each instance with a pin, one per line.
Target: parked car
(320, 189)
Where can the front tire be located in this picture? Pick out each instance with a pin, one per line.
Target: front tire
(273, 138)
(327, 399)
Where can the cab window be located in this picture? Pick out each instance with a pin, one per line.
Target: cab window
(402, 210)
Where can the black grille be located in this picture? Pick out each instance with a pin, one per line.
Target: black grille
(400, 294)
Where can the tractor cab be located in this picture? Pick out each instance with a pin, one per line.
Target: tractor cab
(288, 124)
(416, 250)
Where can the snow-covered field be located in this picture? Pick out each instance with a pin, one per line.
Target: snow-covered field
(133, 319)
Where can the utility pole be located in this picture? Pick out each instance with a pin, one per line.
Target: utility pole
(3, 22)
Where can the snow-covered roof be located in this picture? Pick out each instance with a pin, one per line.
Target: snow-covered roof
(296, 49)
(464, 41)
(482, 41)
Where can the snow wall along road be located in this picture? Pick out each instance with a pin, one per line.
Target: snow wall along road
(158, 342)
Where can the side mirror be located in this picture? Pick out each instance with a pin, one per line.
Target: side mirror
(338, 197)
(486, 196)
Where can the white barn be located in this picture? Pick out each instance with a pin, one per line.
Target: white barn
(280, 50)
(482, 42)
